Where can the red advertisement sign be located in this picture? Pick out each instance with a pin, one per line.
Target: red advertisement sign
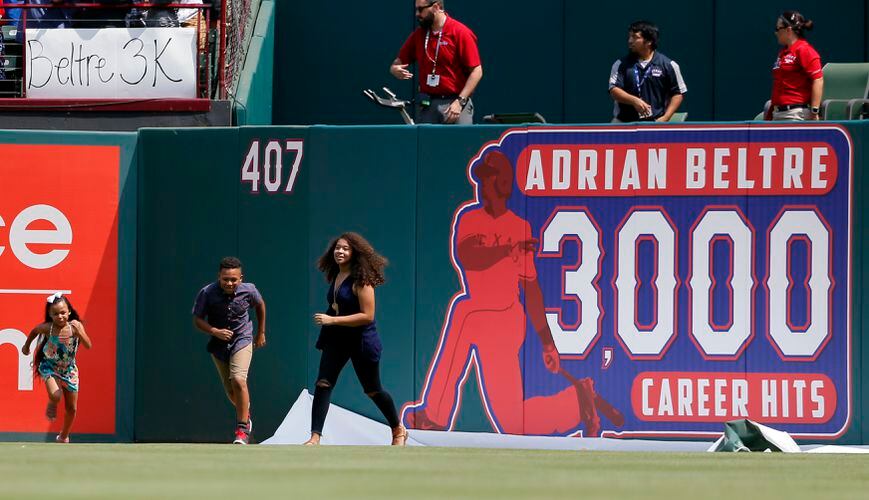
(58, 232)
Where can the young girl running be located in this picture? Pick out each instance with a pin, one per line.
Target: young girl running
(54, 358)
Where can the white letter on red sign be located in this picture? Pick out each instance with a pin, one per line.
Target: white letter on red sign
(20, 236)
(25, 374)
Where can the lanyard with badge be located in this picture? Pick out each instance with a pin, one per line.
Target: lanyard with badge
(645, 76)
(433, 80)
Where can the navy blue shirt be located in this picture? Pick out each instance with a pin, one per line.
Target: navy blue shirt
(358, 340)
(655, 83)
(222, 310)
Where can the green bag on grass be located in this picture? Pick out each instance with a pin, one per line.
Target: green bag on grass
(746, 435)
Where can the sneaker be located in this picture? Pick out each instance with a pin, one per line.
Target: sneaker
(59, 439)
(241, 436)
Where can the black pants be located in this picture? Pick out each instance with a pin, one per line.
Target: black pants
(332, 361)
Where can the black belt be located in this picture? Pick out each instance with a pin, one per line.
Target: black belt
(451, 97)
(788, 107)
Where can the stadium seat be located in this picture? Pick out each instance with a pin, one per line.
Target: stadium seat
(9, 32)
(846, 88)
(8, 63)
(760, 116)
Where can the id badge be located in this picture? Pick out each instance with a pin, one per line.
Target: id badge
(433, 80)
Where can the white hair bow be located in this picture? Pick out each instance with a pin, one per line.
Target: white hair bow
(51, 298)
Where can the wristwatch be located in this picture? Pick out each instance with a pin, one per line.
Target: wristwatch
(463, 101)
(815, 110)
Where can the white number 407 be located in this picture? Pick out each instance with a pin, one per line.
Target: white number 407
(272, 172)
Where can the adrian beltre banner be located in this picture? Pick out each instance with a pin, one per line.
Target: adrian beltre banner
(651, 282)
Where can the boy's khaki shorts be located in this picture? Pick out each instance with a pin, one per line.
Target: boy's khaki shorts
(238, 366)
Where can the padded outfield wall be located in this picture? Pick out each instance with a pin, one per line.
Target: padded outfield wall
(661, 281)
(706, 343)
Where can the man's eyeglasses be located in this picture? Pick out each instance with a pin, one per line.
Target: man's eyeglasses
(779, 28)
(420, 9)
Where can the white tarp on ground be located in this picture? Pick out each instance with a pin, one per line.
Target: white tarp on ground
(835, 449)
(738, 430)
(346, 428)
(343, 427)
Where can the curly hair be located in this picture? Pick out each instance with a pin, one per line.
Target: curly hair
(366, 265)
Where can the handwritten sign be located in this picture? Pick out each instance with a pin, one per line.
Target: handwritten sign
(111, 62)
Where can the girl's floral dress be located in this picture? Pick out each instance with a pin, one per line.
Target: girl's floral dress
(59, 360)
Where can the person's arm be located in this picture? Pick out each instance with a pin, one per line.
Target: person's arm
(675, 102)
(260, 340)
(810, 62)
(537, 313)
(455, 109)
(399, 70)
(200, 308)
(619, 95)
(817, 95)
(78, 329)
(365, 316)
(203, 326)
(37, 331)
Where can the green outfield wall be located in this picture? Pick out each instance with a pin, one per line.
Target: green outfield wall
(275, 196)
(399, 186)
(552, 56)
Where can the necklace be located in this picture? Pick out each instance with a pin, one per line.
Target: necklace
(335, 287)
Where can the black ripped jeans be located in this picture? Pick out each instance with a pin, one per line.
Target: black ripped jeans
(332, 361)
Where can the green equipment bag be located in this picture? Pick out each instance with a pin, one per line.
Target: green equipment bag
(746, 435)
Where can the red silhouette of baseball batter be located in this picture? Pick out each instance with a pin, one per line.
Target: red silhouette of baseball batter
(494, 250)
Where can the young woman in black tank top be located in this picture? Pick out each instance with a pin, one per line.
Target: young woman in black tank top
(348, 331)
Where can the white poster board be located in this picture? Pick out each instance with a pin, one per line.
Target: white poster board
(111, 63)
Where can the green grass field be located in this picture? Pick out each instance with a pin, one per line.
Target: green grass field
(225, 471)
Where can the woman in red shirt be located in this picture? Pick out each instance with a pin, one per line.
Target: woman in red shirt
(797, 78)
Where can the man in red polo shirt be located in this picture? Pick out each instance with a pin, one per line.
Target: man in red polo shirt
(446, 54)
